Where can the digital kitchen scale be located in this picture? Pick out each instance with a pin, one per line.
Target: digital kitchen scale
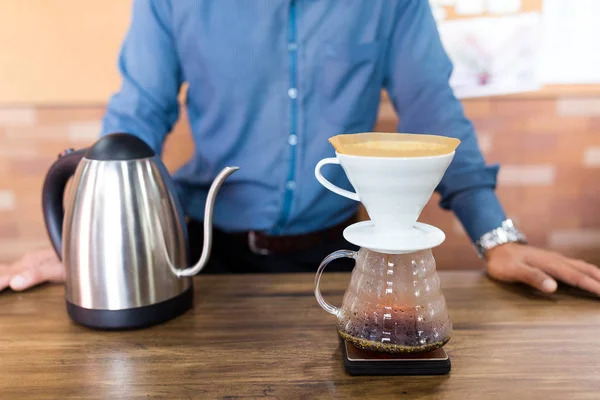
(365, 362)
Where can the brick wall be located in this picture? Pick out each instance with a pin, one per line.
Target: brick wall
(549, 148)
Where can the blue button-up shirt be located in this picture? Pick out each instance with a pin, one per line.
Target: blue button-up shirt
(270, 81)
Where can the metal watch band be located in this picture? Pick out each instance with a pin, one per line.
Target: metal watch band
(505, 233)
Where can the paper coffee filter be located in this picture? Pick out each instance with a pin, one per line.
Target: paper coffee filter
(380, 144)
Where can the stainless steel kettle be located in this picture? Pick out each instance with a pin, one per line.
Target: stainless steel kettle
(121, 234)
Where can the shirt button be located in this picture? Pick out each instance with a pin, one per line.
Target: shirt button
(293, 140)
(293, 93)
(291, 185)
(292, 46)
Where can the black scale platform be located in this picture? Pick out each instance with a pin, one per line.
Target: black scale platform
(364, 362)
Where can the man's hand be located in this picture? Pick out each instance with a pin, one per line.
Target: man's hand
(541, 269)
(31, 270)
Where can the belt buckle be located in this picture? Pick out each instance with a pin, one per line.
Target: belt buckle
(254, 247)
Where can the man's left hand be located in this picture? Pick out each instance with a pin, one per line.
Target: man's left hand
(540, 269)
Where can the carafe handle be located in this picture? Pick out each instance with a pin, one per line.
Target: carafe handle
(329, 185)
(333, 256)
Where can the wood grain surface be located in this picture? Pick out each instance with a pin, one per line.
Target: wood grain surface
(264, 336)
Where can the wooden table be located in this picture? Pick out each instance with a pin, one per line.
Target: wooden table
(266, 337)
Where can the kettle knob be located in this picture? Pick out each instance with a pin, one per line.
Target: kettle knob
(119, 147)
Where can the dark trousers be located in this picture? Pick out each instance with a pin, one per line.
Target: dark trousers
(229, 256)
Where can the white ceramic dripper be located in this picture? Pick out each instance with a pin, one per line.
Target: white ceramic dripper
(394, 191)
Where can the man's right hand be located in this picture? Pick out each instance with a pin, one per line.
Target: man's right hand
(31, 270)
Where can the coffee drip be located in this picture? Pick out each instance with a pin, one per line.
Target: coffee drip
(393, 303)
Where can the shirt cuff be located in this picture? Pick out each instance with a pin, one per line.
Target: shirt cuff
(479, 211)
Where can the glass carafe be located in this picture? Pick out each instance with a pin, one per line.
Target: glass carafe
(393, 304)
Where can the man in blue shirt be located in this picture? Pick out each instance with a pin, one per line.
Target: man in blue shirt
(269, 81)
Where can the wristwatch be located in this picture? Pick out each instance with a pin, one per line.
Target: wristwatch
(507, 232)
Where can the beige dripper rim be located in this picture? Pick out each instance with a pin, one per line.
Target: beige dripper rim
(382, 144)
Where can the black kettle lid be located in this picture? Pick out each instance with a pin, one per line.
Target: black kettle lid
(119, 147)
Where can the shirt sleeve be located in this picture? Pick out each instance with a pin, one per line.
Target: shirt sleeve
(417, 80)
(146, 105)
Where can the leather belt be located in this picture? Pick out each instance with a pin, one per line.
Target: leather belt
(261, 243)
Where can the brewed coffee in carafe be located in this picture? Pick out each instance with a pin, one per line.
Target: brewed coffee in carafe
(394, 302)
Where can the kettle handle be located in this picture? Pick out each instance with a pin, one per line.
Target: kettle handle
(53, 192)
(333, 256)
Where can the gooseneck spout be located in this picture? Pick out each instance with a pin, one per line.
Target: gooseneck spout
(208, 224)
